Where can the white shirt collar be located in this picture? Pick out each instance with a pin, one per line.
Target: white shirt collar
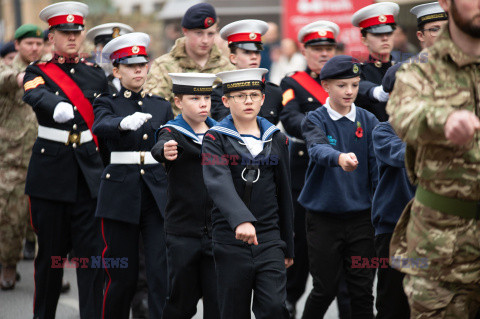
(335, 116)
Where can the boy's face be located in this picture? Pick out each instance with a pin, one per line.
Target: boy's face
(66, 42)
(244, 105)
(244, 59)
(380, 44)
(194, 107)
(132, 76)
(342, 92)
(430, 32)
(200, 41)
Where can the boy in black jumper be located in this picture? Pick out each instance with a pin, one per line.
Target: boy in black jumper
(191, 269)
(245, 169)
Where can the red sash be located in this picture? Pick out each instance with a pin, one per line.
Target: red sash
(312, 86)
(72, 91)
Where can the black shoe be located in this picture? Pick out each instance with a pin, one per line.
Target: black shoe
(140, 309)
(29, 250)
(292, 309)
(65, 286)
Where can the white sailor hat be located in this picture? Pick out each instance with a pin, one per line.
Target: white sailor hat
(192, 83)
(245, 34)
(130, 48)
(377, 18)
(104, 33)
(65, 16)
(320, 32)
(429, 12)
(245, 79)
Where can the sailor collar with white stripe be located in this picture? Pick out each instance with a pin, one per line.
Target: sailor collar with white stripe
(335, 116)
(183, 127)
(227, 127)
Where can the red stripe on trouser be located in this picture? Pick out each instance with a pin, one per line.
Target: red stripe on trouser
(34, 262)
(106, 270)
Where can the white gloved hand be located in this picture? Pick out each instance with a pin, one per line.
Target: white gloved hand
(135, 121)
(63, 112)
(380, 94)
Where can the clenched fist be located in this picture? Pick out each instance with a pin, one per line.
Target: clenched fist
(246, 233)
(170, 151)
(348, 162)
(461, 126)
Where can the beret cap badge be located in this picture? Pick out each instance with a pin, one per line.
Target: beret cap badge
(355, 68)
(70, 18)
(209, 21)
(322, 33)
(135, 49)
(252, 36)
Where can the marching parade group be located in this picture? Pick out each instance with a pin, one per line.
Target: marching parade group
(208, 182)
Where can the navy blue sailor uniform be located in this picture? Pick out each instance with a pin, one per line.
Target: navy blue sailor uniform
(264, 199)
(62, 182)
(188, 224)
(132, 199)
(270, 110)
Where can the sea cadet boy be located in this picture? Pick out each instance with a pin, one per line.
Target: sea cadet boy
(132, 195)
(244, 39)
(188, 223)
(339, 184)
(245, 170)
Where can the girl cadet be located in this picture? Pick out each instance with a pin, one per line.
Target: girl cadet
(339, 185)
(132, 193)
(188, 224)
(245, 169)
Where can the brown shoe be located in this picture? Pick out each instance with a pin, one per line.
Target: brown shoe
(7, 277)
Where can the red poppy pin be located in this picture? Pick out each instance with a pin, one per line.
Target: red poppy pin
(359, 131)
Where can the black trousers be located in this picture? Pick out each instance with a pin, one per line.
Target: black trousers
(297, 274)
(61, 227)
(121, 243)
(332, 242)
(241, 269)
(191, 276)
(391, 301)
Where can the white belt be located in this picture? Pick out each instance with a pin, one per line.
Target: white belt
(296, 140)
(62, 136)
(132, 158)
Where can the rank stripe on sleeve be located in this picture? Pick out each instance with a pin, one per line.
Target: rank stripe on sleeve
(33, 83)
(287, 96)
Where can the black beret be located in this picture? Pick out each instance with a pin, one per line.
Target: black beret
(199, 16)
(7, 48)
(389, 78)
(340, 67)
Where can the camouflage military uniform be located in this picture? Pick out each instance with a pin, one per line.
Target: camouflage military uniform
(177, 61)
(18, 130)
(433, 244)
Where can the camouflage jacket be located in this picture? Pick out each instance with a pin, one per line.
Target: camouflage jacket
(18, 124)
(177, 61)
(425, 94)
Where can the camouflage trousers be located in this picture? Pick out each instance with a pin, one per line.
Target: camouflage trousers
(439, 299)
(440, 253)
(14, 216)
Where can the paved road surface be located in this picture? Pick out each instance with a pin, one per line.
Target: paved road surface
(17, 304)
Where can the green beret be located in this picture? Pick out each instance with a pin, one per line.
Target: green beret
(28, 31)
